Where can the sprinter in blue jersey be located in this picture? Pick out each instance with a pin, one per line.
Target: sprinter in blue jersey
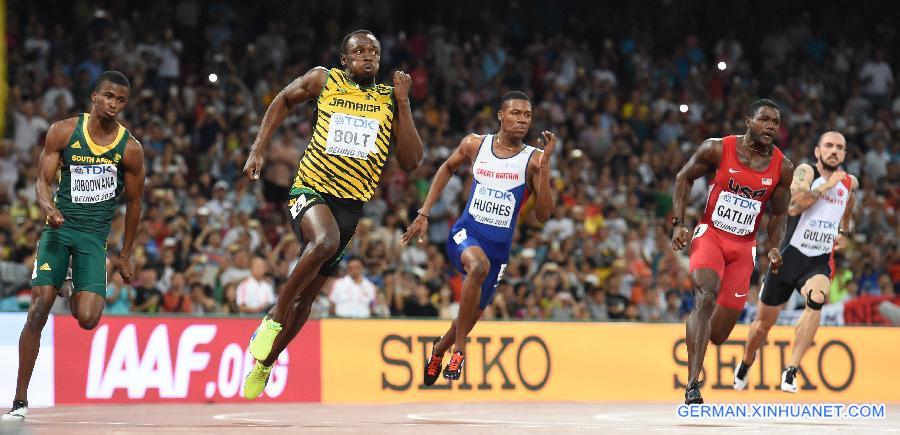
(504, 171)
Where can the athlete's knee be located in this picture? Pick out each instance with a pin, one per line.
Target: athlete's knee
(815, 299)
(306, 298)
(40, 306)
(478, 269)
(762, 326)
(323, 247)
(303, 302)
(88, 318)
(38, 312)
(88, 322)
(704, 298)
(717, 338)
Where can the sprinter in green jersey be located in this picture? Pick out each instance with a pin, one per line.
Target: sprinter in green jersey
(98, 160)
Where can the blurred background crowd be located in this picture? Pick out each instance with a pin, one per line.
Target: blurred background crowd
(630, 89)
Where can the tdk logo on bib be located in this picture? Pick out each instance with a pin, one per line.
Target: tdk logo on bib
(496, 194)
(93, 169)
(748, 204)
(822, 224)
(354, 122)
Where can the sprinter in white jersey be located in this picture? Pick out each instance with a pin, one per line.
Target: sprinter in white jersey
(822, 198)
(504, 170)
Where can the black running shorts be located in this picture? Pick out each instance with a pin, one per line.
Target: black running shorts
(795, 270)
(346, 212)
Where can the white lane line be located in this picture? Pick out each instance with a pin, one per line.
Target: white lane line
(239, 416)
(112, 423)
(448, 416)
(617, 416)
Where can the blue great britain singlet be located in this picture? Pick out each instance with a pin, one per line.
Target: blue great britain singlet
(498, 190)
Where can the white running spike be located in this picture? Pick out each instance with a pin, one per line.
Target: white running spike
(17, 414)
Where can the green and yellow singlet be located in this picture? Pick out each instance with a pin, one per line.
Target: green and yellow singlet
(350, 139)
(91, 179)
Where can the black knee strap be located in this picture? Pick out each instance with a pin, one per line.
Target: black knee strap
(813, 305)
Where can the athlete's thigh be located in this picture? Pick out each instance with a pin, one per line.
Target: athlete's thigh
(310, 216)
(51, 261)
(706, 254)
(740, 260)
(458, 242)
(778, 287)
(498, 262)
(346, 220)
(88, 263)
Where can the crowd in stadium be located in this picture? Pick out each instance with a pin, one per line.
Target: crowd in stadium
(628, 109)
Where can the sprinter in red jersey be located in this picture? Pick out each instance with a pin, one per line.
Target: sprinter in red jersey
(751, 174)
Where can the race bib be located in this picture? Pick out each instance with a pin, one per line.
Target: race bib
(298, 204)
(492, 207)
(699, 231)
(815, 236)
(93, 183)
(460, 236)
(351, 136)
(736, 214)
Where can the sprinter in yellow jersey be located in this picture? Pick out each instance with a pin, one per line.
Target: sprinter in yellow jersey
(357, 123)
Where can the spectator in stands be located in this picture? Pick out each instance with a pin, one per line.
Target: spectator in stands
(202, 300)
(29, 126)
(176, 299)
(238, 268)
(653, 307)
(877, 78)
(147, 298)
(672, 314)
(419, 303)
(229, 300)
(352, 295)
(119, 296)
(596, 304)
(448, 308)
(381, 309)
(255, 293)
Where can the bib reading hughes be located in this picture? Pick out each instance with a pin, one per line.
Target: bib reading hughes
(350, 140)
(91, 180)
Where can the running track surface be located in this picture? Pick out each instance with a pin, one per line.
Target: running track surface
(431, 418)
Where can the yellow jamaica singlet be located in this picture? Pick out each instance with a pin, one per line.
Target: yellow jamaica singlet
(350, 140)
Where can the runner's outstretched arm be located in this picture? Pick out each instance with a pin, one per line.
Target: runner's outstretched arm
(303, 88)
(707, 155)
(465, 152)
(133, 161)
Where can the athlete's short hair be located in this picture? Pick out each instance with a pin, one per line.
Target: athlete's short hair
(763, 102)
(346, 41)
(112, 77)
(514, 95)
(822, 136)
